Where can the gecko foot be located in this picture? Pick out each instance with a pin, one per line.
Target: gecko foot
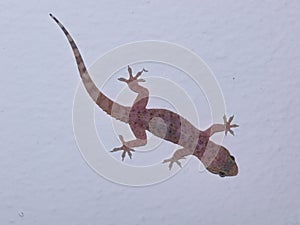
(123, 148)
(133, 78)
(228, 126)
(172, 160)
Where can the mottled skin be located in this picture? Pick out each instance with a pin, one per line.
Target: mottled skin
(161, 122)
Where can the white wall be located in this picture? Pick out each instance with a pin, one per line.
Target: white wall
(253, 50)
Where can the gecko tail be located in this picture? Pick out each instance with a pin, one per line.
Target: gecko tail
(110, 107)
(87, 81)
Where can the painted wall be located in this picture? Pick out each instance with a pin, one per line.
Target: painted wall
(253, 50)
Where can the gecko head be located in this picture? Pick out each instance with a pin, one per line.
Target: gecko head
(218, 160)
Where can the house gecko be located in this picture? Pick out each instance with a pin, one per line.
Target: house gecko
(163, 123)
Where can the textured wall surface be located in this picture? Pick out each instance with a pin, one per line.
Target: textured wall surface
(253, 50)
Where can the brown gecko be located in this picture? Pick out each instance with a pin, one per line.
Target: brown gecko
(161, 122)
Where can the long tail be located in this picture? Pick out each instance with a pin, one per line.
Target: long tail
(112, 108)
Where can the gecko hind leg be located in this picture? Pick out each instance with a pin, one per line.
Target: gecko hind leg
(128, 145)
(141, 100)
(133, 78)
(136, 123)
(123, 148)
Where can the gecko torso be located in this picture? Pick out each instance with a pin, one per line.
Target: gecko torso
(162, 123)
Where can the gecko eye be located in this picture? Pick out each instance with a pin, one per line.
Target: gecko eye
(222, 174)
(232, 157)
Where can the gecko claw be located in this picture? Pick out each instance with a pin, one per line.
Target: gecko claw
(228, 126)
(172, 160)
(122, 79)
(140, 73)
(123, 148)
(133, 78)
(129, 71)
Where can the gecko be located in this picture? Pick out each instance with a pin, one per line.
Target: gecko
(162, 123)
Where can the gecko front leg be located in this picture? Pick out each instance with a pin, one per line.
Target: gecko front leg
(137, 116)
(215, 128)
(179, 154)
